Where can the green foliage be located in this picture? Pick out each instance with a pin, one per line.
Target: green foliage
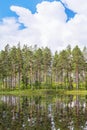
(35, 68)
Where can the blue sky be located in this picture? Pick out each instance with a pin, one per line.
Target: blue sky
(52, 23)
(30, 4)
(5, 6)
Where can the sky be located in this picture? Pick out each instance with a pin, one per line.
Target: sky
(52, 23)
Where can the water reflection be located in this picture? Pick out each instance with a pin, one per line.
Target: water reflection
(43, 113)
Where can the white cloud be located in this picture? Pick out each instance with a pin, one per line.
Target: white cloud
(78, 6)
(47, 27)
(8, 31)
(78, 25)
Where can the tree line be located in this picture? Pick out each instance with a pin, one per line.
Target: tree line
(33, 67)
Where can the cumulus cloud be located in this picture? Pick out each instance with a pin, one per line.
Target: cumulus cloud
(78, 25)
(8, 31)
(47, 27)
(77, 5)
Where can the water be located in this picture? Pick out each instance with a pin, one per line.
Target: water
(48, 112)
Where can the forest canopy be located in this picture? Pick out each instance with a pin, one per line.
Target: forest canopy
(35, 68)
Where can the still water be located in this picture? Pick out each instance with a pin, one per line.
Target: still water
(48, 112)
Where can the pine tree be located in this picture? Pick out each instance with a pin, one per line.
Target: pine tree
(78, 62)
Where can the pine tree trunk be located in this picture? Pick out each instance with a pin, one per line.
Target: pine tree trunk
(15, 78)
(31, 86)
(6, 84)
(77, 77)
(19, 78)
(11, 83)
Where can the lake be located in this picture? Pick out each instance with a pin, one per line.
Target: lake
(46, 112)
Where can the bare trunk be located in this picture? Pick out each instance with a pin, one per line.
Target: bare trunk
(6, 84)
(77, 78)
(19, 78)
(31, 78)
(3, 85)
(11, 82)
(15, 77)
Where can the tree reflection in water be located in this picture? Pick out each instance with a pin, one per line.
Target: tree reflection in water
(43, 113)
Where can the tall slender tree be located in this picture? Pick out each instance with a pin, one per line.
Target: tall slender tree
(38, 64)
(19, 64)
(78, 61)
(55, 66)
(85, 66)
(47, 58)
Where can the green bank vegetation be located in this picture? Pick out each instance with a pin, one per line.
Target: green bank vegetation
(29, 92)
(33, 68)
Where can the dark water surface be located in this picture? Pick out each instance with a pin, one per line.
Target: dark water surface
(43, 113)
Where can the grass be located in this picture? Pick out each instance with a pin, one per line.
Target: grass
(76, 92)
(17, 92)
(30, 92)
